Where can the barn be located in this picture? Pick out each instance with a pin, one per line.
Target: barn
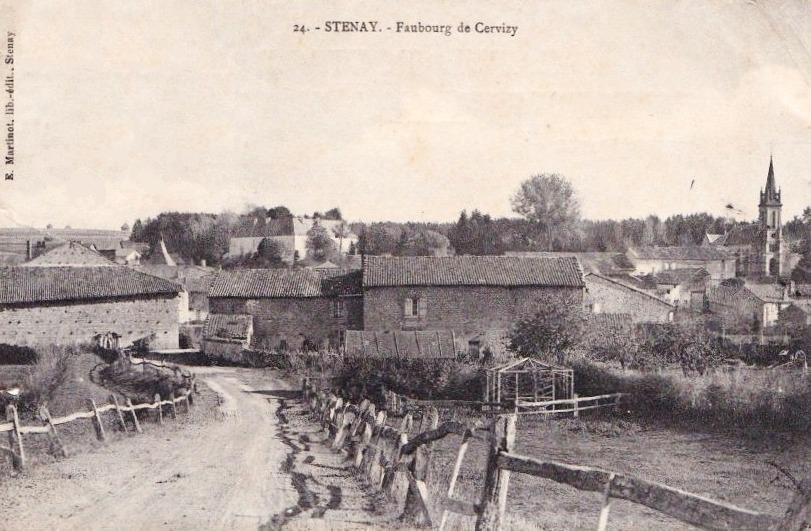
(75, 304)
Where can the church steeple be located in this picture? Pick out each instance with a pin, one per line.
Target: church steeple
(769, 246)
(771, 195)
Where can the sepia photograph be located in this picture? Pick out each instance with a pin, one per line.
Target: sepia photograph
(363, 264)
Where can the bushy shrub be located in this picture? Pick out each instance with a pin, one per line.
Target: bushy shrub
(750, 402)
(51, 371)
(417, 378)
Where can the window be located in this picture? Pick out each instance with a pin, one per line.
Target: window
(338, 308)
(413, 307)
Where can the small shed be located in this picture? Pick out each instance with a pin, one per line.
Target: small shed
(528, 379)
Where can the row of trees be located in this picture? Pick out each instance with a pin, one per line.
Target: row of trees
(549, 219)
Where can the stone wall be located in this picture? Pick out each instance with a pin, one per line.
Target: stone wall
(469, 311)
(606, 296)
(290, 321)
(79, 322)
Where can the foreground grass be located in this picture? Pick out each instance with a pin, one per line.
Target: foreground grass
(713, 466)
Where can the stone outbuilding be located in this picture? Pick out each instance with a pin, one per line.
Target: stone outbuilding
(75, 304)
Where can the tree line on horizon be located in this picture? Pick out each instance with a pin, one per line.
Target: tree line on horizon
(548, 219)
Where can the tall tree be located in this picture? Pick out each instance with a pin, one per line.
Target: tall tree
(333, 213)
(549, 201)
(340, 231)
(320, 245)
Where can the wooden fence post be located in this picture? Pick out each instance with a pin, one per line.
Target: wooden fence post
(57, 448)
(159, 408)
(119, 413)
(391, 469)
(15, 439)
(602, 523)
(576, 412)
(134, 417)
(496, 481)
(416, 504)
(100, 435)
(457, 466)
(373, 457)
(363, 445)
(342, 431)
(173, 405)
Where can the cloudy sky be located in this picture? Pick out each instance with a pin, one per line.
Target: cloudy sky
(127, 109)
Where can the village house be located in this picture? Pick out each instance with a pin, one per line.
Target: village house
(472, 296)
(70, 254)
(684, 288)
(718, 262)
(60, 304)
(796, 315)
(748, 307)
(291, 309)
(291, 234)
(606, 295)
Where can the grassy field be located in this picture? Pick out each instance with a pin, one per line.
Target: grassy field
(712, 466)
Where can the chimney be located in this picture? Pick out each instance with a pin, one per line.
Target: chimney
(29, 252)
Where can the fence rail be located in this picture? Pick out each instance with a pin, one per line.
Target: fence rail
(578, 404)
(411, 458)
(15, 430)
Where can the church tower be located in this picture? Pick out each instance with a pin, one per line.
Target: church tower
(770, 241)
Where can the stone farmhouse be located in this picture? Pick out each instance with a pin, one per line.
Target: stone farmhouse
(290, 308)
(471, 295)
(291, 234)
(68, 304)
(474, 298)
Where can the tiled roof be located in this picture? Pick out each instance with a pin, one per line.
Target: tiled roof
(590, 277)
(680, 276)
(767, 292)
(70, 254)
(688, 252)
(227, 326)
(731, 296)
(267, 283)
(604, 263)
(379, 271)
(19, 285)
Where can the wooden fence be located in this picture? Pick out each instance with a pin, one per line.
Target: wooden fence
(574, 405)
(16, 448)
(411, 458)
(401, 404)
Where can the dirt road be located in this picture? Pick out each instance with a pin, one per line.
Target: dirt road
(253, 464)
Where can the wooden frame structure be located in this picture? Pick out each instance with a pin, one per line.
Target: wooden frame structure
(528, 379)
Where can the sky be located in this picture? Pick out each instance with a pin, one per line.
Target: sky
(127, 109)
